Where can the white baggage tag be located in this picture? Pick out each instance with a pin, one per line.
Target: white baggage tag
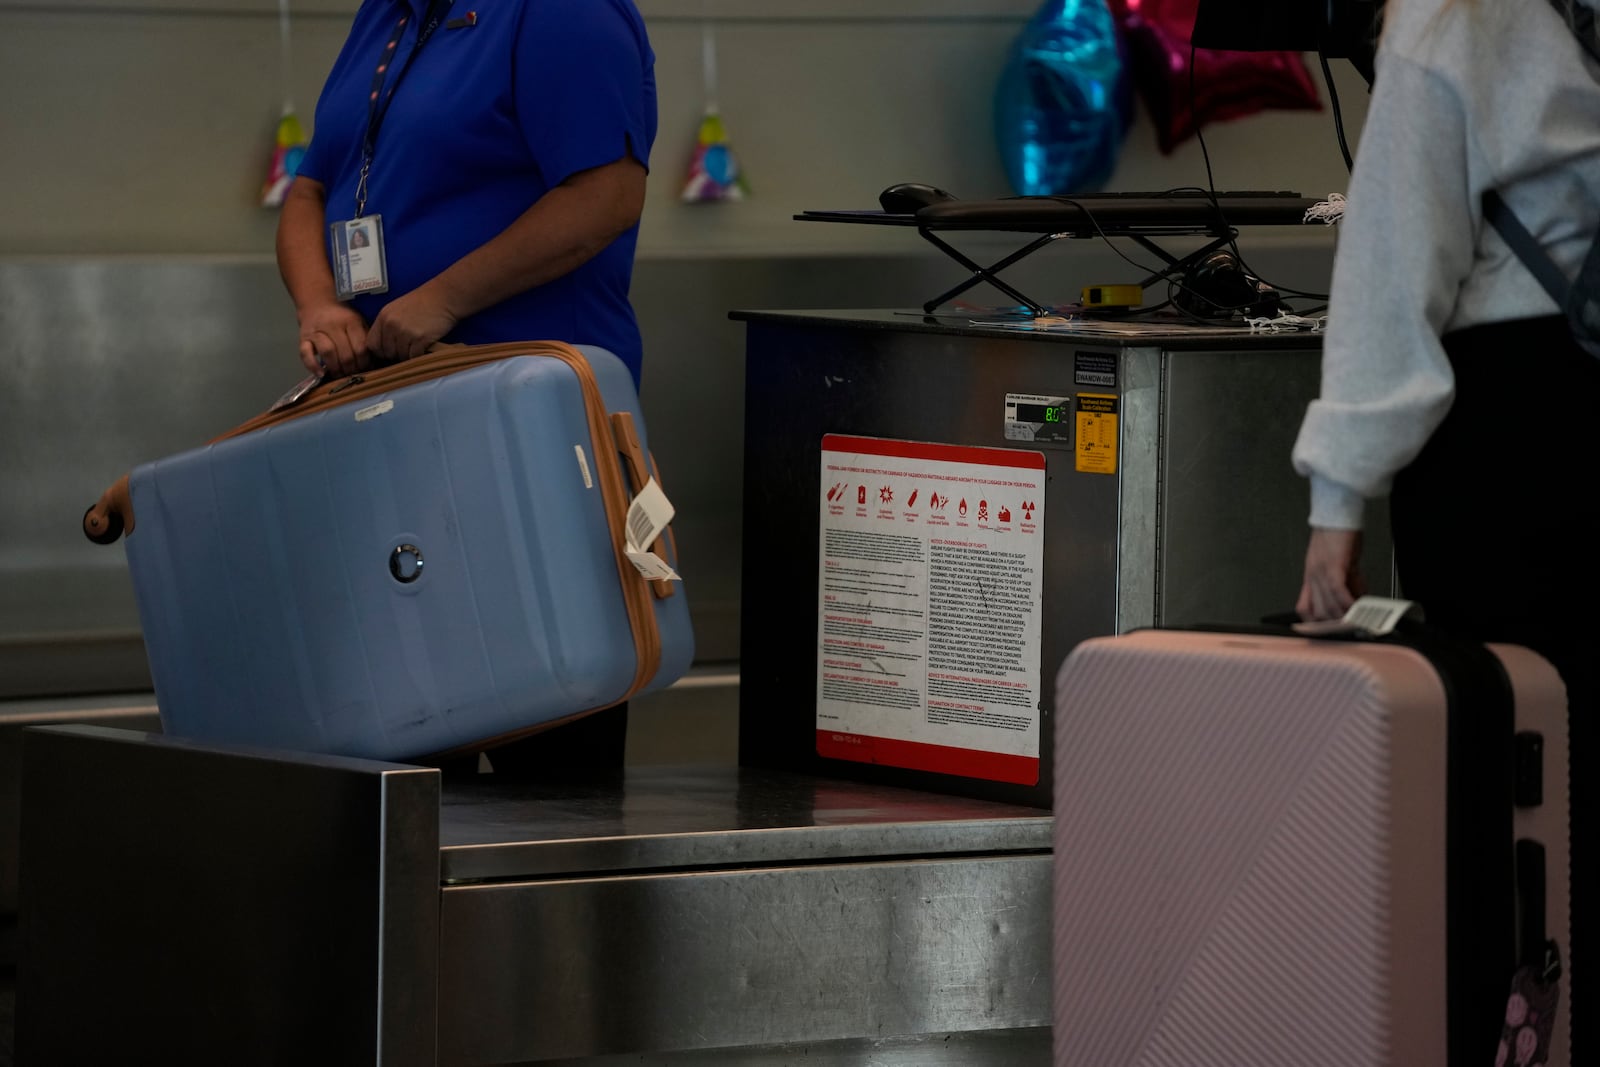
(648, 515)
(652, 566)
(1371, 616)
(359, 263)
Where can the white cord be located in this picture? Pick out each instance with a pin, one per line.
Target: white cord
(1327, 211)
(708, 59)
(1286, 322)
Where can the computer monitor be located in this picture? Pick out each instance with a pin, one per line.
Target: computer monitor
(1336, 29)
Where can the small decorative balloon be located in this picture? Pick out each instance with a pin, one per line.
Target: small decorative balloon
(1225, 85)
(289, 142)
(1065, 101)
(714, 172)
(288, 149)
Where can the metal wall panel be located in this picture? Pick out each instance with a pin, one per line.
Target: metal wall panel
(103, 374)
(112, 361)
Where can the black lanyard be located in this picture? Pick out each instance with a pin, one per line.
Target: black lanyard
(378, 101)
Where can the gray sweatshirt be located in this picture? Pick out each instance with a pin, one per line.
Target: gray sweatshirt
(1470, 95)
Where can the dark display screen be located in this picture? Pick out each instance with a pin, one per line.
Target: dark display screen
(1052, 413)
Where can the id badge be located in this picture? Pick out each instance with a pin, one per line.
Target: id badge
(359, 265)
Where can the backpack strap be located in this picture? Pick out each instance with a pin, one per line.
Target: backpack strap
(1579, 18)
(1499, 215)
(1579, 299)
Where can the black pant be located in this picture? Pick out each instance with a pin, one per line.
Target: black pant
(590, 747)
(1495, 526)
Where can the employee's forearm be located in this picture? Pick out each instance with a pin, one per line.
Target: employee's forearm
(302, 261)
(567, 227)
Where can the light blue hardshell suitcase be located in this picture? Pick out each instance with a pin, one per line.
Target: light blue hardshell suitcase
(422, 570)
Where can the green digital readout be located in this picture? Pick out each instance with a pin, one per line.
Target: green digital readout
(1043, 413)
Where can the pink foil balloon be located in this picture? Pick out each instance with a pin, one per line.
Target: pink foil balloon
(1226, 85)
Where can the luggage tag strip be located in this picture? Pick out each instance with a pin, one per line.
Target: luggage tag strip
(298, 393)
(648, 515)
(1370, 616)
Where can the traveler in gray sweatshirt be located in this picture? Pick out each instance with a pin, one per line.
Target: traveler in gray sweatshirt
(1448, 374)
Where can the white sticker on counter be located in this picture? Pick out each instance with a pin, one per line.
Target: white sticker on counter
(929, 628)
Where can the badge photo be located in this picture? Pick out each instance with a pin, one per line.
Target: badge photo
(359, 264)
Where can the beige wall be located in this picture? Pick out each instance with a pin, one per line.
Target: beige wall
(145, 126)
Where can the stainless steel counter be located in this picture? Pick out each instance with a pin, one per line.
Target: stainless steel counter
(666, 818)
(209, 904)
(129, 711)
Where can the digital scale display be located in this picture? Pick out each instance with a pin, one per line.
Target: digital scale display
(1044, 412)
(1039, 418)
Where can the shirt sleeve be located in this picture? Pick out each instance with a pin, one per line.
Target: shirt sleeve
(317, 162)
(1406, 244)
(584, 85)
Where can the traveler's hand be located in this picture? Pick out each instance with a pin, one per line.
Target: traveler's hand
(1333, 575)
(333, 339)
(407, 326)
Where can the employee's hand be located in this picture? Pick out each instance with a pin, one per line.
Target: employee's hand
(407, 326)
(1333, 574)
(333, 339)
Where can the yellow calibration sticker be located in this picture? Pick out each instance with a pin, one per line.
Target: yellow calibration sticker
(1097, 433)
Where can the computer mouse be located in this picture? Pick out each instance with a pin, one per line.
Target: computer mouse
(907, 198)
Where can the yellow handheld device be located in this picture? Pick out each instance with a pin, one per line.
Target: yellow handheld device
(1112, 296)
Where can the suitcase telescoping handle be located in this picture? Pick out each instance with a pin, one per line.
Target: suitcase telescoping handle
(111, 516)
(628, 443)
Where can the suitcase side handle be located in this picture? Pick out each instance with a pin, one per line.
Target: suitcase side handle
(627, 438)
(111, 516)
(667, 534)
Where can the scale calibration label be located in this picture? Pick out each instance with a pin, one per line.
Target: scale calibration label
(930, 616)
(1097, 433)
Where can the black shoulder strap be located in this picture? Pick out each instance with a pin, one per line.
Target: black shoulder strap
(1580, 18)
(1499, 215)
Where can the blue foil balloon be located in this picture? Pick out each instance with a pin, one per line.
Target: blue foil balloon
(1065, 100)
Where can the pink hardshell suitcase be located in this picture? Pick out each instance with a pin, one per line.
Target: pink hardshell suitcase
(1272, 850)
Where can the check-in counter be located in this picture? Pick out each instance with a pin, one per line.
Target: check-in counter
(193, 904)
(937, 509)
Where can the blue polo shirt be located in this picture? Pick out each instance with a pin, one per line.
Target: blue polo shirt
(507, 99)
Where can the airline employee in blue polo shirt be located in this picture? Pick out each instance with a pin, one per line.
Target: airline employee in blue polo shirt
(493, 154)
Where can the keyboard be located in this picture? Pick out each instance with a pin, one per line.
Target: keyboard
(1221, 194)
